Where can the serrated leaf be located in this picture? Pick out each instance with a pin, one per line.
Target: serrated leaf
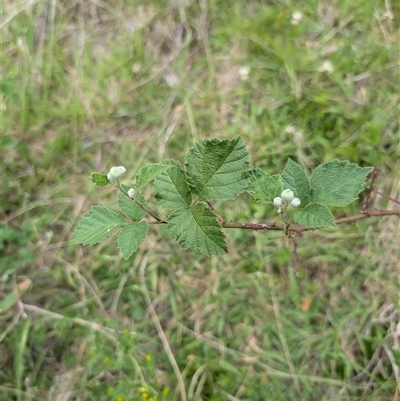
(170, 162)
(218, 169)
(148, 173)
(295, 179)
(314, 216)
(131, 236)
(338, 182)
(100, 180)
(96, 225)
(172, 190)
(264, 187)
(129, 207)
(197, 229)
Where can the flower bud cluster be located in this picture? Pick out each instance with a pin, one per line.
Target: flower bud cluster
(115, 174)
(286, 200)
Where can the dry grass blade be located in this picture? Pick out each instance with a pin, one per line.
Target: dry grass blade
(160, 331)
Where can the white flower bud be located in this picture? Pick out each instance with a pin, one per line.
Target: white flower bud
(295, 202)
(131, 193)
(297, 17)
(115, 174)
(244, 72)
(287, 195)
(326, 66)
(277, 201)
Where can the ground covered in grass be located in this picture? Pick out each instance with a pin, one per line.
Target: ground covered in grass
(86, 85)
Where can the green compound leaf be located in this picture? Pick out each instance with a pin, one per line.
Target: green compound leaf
(172, 190)
(148, 173)
(100, 180)
(264, 187)
(218, 169)
(96, 225)
(314, 216)
(295, 179)
(338, 182)
(129, 207)
(130, 238)
(197, 229)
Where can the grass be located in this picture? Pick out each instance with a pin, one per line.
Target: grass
(91, 84)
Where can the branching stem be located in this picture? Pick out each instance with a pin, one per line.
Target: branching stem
(299, 228)
(287, 227)
(210, 205)
(159, 221)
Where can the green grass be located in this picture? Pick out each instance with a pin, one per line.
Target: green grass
(85, 87)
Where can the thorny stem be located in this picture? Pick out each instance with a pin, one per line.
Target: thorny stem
(159, 221)
(210, 205)
(149, 212)
(287, 226)
(299, 228)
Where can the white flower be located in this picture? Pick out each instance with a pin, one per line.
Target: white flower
(115, 174)
(295, 202)
(131, 193)
(297, 16)
(326, 66)
(287, 195)
(244, 72)
(277, 201)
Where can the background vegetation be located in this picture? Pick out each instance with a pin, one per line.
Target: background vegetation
(87, 85)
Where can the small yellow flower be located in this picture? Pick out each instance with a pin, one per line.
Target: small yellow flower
(153, 398)
(145, 396)
(120, 398)
(165, 392)
(148, 358)
(110, 389)
(142, 389)
(125, 332)
(106, 359)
